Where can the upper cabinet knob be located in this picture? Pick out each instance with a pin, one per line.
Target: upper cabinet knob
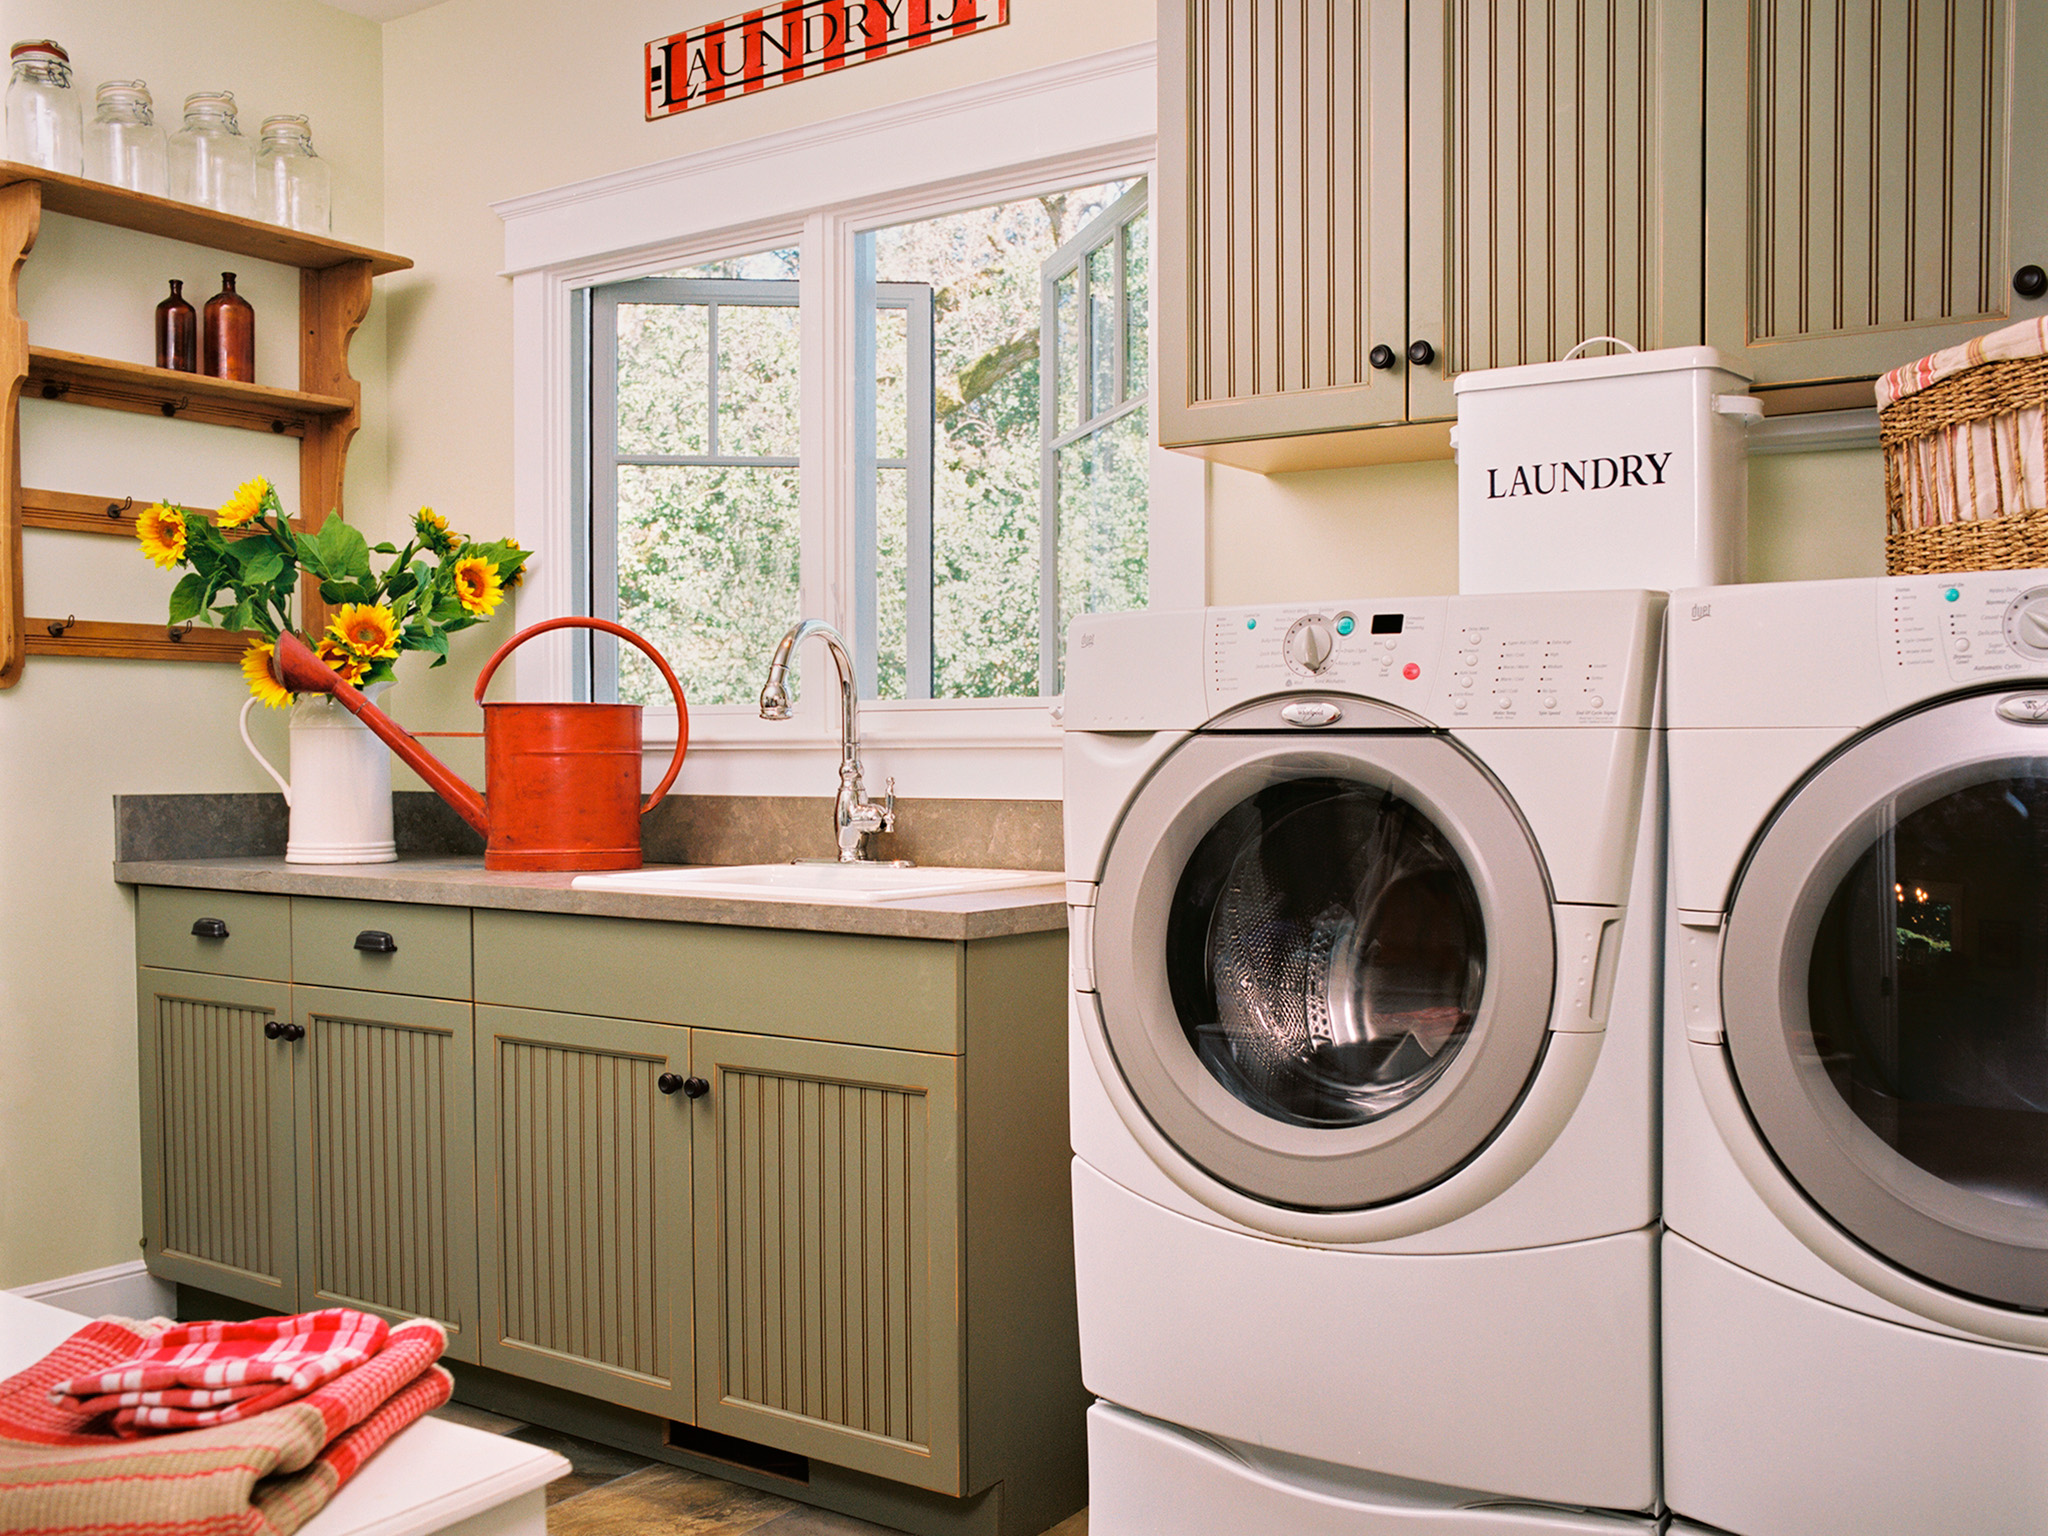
(1421, 353)
(2030, 282)
(1381, 357)
(670, 1082)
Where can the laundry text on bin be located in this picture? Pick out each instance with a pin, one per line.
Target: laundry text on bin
(1562, 476)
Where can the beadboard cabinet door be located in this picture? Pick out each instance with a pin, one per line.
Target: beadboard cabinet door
(1877, 179)
(828, 1252)
(218, 1161)
(1554, 182)
(386, 1165)
(583, 1176)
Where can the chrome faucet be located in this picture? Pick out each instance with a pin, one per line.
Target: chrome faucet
(854, 814)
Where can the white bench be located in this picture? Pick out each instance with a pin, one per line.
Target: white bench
(434, 1476)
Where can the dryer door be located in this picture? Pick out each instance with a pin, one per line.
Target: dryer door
(1325, 966)
(1885, 993)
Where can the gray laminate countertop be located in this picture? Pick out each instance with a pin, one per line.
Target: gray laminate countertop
(464, 882)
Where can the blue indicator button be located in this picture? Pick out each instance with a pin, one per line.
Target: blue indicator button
(1251, 623)
(1951, 594)
(1346, 624)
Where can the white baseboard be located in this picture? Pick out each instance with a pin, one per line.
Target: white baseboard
(119, 1290)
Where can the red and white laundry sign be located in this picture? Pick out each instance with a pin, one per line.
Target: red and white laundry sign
(796, 39)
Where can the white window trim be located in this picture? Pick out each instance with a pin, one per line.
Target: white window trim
(1059, 126)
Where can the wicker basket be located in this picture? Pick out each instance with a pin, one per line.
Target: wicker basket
(1966, 470)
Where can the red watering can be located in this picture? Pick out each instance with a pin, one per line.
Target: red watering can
(562, 781)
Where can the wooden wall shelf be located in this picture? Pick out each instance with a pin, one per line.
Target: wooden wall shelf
(104, 381)
(323, 413)
(173, 220)
(135, 642)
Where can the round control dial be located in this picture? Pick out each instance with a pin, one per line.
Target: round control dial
(1309, 645)
(2026, 624)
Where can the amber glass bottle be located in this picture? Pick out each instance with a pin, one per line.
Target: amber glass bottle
(177, 332)
(228, 336)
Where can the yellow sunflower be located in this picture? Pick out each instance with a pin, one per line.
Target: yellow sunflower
(244, 504)
(348, 666)
(434, 532)
(367, 629)
(161, 532)
(262, 681)
(477, 585)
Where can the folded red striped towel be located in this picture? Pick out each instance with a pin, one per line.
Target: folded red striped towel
(194, 1375)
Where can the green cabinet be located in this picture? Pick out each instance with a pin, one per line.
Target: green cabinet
(808, 1190)
(827, 1252)
(302, 1146)
(1338, 185)
(583, 1168)
(1876, 182)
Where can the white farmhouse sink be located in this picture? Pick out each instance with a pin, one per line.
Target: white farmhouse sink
(816, 882)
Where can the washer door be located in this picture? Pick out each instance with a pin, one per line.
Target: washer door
(1326, 966)
(1885, 994)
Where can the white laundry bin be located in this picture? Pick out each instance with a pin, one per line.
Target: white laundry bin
(1618, 471)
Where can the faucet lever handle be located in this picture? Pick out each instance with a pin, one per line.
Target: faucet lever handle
(889, 803)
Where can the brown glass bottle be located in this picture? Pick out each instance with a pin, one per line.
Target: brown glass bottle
(177, 332)
(227, 336)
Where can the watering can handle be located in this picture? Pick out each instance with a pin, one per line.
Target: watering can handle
(580, 621)
(247, 705)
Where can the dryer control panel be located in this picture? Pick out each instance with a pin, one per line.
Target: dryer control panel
(1582, 659)
(1938, 631)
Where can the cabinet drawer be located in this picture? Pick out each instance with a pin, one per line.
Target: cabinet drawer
(240, 933)
(430, 957)
(849, 987)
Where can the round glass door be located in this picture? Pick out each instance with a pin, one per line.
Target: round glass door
(1885, 993)
(1326, 952)
(1325, 970)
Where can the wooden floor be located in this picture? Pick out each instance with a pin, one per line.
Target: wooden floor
(615, 1493)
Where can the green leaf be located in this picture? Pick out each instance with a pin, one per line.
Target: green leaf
(265, 567)
(343, 550)
(384, 549)
(188, 597)
(238, 617)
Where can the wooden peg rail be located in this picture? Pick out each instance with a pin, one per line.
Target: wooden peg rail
(323, 413)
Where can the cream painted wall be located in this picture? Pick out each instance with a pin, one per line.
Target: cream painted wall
(75, 733)
(1392, 530)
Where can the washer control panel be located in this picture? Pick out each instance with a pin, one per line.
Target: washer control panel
(1579, 660)
(1964, 628)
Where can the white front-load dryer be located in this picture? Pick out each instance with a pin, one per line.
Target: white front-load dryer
(1364, 1062)
(1855, 1279)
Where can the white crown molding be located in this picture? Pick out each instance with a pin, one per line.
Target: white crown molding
(1105, 102)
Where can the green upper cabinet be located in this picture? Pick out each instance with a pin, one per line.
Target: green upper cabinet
(1359, 200)
(1878, 183)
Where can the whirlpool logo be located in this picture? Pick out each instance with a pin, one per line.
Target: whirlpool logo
(1562, 477)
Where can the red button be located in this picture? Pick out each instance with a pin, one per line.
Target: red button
(1411, 671)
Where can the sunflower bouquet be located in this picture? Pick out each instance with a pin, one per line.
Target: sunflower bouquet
(243, 568)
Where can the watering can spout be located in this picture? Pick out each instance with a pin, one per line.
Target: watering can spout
(303, 672)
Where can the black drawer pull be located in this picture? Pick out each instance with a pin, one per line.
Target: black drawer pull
(375, 941)
(209, 928)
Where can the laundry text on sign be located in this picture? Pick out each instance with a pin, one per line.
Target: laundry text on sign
(1562, 476)
(797, 39)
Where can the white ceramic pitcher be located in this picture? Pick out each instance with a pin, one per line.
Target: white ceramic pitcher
(340, 788)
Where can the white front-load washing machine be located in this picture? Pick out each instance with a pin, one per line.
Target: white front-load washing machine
(1364, 1064)
(1855, 1280)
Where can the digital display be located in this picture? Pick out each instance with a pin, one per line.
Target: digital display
(1386, 623)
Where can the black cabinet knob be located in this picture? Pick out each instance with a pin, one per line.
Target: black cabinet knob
(670, 1082)
(272, 1030)
(292, 1031)
(1421, 353)
(209, 928)
(1381, 357)
(375, 941)
(695, 1087)
(2030, 282)
(688, 1087)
